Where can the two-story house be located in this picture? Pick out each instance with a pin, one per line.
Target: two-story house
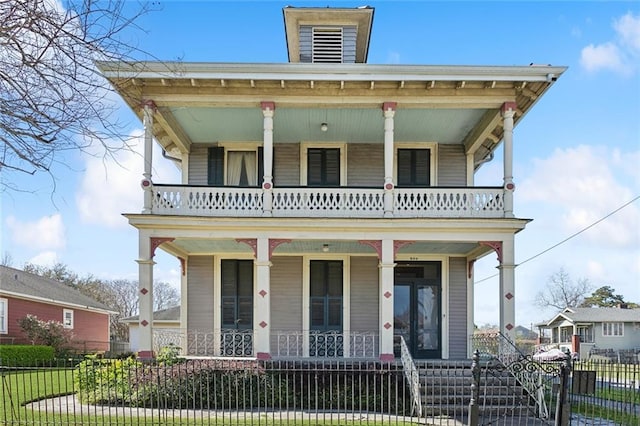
(327, 206)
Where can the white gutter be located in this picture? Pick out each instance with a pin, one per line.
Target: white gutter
(327, 72)
(56, 302)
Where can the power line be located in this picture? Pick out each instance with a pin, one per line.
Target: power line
(568, 238)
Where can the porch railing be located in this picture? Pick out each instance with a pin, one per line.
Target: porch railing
(284, 344)
(344, 202)
(412, 375)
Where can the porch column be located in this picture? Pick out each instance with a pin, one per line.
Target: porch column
(389, 110)
(262, 301)
(508, 110)
(507, 289)
(268, 109)
(147, 121)
(145, 296)
(386, 296)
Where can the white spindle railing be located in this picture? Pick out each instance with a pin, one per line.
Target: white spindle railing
(225, 343)
(330, 344)
(328, 202)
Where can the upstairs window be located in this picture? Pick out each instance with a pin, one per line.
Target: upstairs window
(323, 167)
(244, 168)
(414, 168)
(613, 329)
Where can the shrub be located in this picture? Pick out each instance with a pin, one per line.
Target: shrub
(25, 355)
(48, 333)
(104, 381)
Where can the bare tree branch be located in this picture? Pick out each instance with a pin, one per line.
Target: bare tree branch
(562, 292)
(52, 97)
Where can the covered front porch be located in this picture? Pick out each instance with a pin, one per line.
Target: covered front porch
(322, 289)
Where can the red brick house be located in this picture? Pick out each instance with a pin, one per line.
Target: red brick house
(23, 293)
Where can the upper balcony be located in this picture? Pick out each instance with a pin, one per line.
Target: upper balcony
(343, 202)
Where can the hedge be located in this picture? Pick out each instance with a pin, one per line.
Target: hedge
(25, 355)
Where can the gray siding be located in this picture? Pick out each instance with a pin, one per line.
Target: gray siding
(452, 165)
(364, 294)
(198, 165)
(286, 164)
(200, 293)
(286, 293)
(365, 165)
(458, 308)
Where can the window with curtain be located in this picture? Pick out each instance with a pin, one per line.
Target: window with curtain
(414, 167)
(243, 168)
(237, 294)
(3, 316)
(325, 291)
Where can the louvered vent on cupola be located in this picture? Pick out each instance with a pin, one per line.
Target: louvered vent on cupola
(333, 45)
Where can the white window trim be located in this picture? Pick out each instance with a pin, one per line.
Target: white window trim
(613, 335)
(346, 299)
(237, 147)
(433, 157)
(304, 146)
(4, 325)
(64, 318)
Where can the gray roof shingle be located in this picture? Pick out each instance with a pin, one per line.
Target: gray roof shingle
(600, 315)
(168, 314)
(30, 285)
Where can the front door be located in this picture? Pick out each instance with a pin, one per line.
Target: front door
(417, 307)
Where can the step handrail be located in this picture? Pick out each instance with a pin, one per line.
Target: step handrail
(412, 375)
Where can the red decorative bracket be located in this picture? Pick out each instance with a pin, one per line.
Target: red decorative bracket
(375, 244)
(183, 265)
(389, 106)
(251, 242)
(149, 103)
(509, 106)
(274, 243)
(268, 105)
(157, 242)
(398, 244)
(496, 246)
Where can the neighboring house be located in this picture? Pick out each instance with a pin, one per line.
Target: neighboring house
(166, 328)
(327, 206)
(23, 293)
(585, 330)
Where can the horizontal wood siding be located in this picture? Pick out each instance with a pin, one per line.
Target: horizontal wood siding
(90, 329)
(198, 165)
(365, 165)
(364, 293)
(452, 165)
(286, 293)
(200, 293)
(458, 308)
(286, 164)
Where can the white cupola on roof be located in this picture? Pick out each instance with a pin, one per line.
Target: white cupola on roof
(328, 35)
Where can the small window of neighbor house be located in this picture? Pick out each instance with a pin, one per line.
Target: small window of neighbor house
(613, 329)
(4, 305)
(67, 318)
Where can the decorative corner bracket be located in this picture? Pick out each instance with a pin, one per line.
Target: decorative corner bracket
(274, 243)
(374, 244)
(157, 242)
(496, 246)
(252, 243)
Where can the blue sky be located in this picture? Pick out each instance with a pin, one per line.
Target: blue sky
(576, 159)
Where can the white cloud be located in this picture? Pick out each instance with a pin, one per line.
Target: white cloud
(110, 186)
(46, 233)
(46, 258)
(578, 187)
(620, 55)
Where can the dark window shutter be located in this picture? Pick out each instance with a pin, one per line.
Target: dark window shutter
(323, 167)
(216, 166)
(414, 167)
(261, 166)
(237, 294)
(325, 294)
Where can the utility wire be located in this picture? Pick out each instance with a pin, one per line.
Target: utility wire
(567, 239)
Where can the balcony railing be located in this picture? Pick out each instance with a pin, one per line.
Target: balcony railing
(343, 202)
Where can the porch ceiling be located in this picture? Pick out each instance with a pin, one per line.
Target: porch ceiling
(191, 246)
(353, 125)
